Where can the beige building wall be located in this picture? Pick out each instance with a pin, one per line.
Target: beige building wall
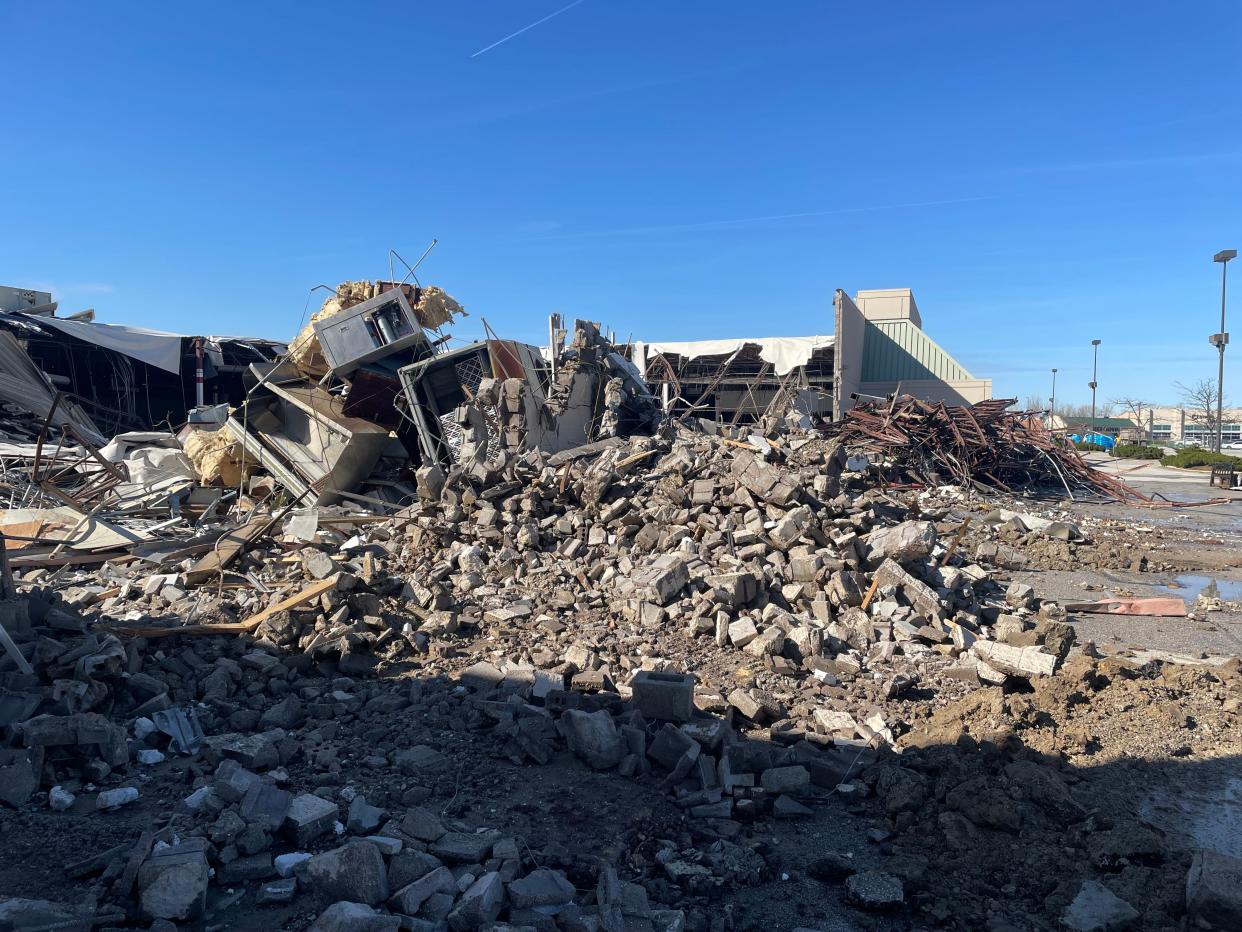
(889, 304)
(953, 392)
(1184, 425)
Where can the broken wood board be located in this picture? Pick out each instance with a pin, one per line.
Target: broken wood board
(313, 591)
(21, 529)
(93, 533)
(227, 549)
(1160, 607)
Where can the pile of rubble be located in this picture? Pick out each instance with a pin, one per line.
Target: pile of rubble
(745, 634)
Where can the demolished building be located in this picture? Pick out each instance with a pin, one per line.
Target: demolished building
(879, 348)
(300, 658)
(131, 378)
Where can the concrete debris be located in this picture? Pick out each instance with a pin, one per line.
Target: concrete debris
(1097, 909)
(466, 639)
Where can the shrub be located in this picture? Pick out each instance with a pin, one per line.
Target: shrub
(1091, 448)
(1196, 456)
(1134, 451)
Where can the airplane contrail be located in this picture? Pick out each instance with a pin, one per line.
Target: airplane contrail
(514, 35)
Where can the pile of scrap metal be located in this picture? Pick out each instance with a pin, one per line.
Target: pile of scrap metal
(981, 446)
(368, 393)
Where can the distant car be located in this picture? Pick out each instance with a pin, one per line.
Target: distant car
(1234, 445)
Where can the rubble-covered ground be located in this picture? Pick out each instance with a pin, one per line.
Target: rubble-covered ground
(654, 684)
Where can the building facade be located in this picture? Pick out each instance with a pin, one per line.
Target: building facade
(879, 348)
(1187, 425)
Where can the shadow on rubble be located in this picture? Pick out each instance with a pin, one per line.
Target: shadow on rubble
(657, 814)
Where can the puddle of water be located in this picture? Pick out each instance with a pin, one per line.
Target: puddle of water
(1208, 817)
(1189, 587)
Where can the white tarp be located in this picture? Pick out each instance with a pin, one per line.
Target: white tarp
(784, 353)
(154, 347)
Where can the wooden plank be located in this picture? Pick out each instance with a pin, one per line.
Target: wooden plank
(227, 549)
(19, 530)
(313, 591)
(125, 883)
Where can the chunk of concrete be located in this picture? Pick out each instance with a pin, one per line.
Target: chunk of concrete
(909, 540)
(666, 696)
(479, 905)
(355, 872)
(540, 888)
(594, 737)
(874, 891)
(1214, 889)
(309, 816)
(354, 917)
(411, 897)
(172, 883)
(1097, 909)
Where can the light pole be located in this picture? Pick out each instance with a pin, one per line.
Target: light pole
(1094, 372)
(1219, 340)
(1052, 402)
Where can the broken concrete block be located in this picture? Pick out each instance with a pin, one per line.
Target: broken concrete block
(463, 847)
(363, 818)
(410, 898)
(742, 632)
(541, 888)
(1214, 889)
(355, 871)
(666, 696)
(792, 779)
(172, 883)
(277, 892)
(285, 864)
(594, 737)
(669, 746)
(1096, 908)
(20, 915)
(662, 579)
(309, 817)
(1016, 661)
(874, 890)
(909, 540)
(265, 804)
(115, 799)
(422, 824)
(479, 905)
(354, 917)
(317, 564)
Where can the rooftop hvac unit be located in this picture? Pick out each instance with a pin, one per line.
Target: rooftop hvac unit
(380, 327)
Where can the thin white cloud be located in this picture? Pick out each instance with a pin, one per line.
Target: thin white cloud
(514, 35)
(773, 218)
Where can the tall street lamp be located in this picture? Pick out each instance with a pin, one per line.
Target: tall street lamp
(1219, 340)
(1094, 372)
(1052, 406)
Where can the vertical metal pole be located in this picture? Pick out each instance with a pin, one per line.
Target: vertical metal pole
(1094, 372)
(1052, 408)
(198, 372)
(1220, 372)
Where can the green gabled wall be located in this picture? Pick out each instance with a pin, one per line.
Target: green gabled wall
(897, 350)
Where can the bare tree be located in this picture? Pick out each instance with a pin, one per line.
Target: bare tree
(1200, 401)
(1133, 407)
(1035, 403)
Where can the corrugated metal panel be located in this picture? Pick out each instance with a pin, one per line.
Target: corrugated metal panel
(896, 350)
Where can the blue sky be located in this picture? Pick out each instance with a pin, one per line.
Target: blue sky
(1039, 174)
